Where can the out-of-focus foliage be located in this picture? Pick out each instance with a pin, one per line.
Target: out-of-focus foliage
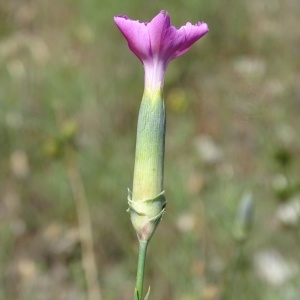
(67, 78)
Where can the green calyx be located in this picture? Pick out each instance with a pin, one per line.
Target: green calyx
(147, 201)
(150, 148)
(146, 214)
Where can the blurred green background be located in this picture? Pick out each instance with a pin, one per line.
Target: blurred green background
(69, 81)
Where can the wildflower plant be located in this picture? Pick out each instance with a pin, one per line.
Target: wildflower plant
(155, 43)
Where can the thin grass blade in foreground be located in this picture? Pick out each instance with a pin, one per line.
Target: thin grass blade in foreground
(68, 152)
(85, 227)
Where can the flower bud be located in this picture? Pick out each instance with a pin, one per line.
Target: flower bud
(244, 219)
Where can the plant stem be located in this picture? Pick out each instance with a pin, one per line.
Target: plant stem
(141, 268)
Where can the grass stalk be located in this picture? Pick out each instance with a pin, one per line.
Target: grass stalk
(85, 228)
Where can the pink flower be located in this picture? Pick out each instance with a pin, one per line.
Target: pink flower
(156, 43)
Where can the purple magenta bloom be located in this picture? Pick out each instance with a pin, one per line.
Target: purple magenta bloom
(156, 43)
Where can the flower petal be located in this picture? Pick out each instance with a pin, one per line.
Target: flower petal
(137, 36)
(167, 42)
(192, 34)
(157, 29)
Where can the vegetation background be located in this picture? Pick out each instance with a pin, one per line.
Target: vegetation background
(69, 81)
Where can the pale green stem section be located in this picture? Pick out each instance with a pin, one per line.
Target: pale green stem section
(141, 269)
(150, 147)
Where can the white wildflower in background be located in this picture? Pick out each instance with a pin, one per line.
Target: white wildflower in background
(273, 268)
(288, 213)
(208, 150)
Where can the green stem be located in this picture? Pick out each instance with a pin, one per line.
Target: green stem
(140, 269)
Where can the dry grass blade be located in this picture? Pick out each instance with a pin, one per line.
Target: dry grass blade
(85, 228)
